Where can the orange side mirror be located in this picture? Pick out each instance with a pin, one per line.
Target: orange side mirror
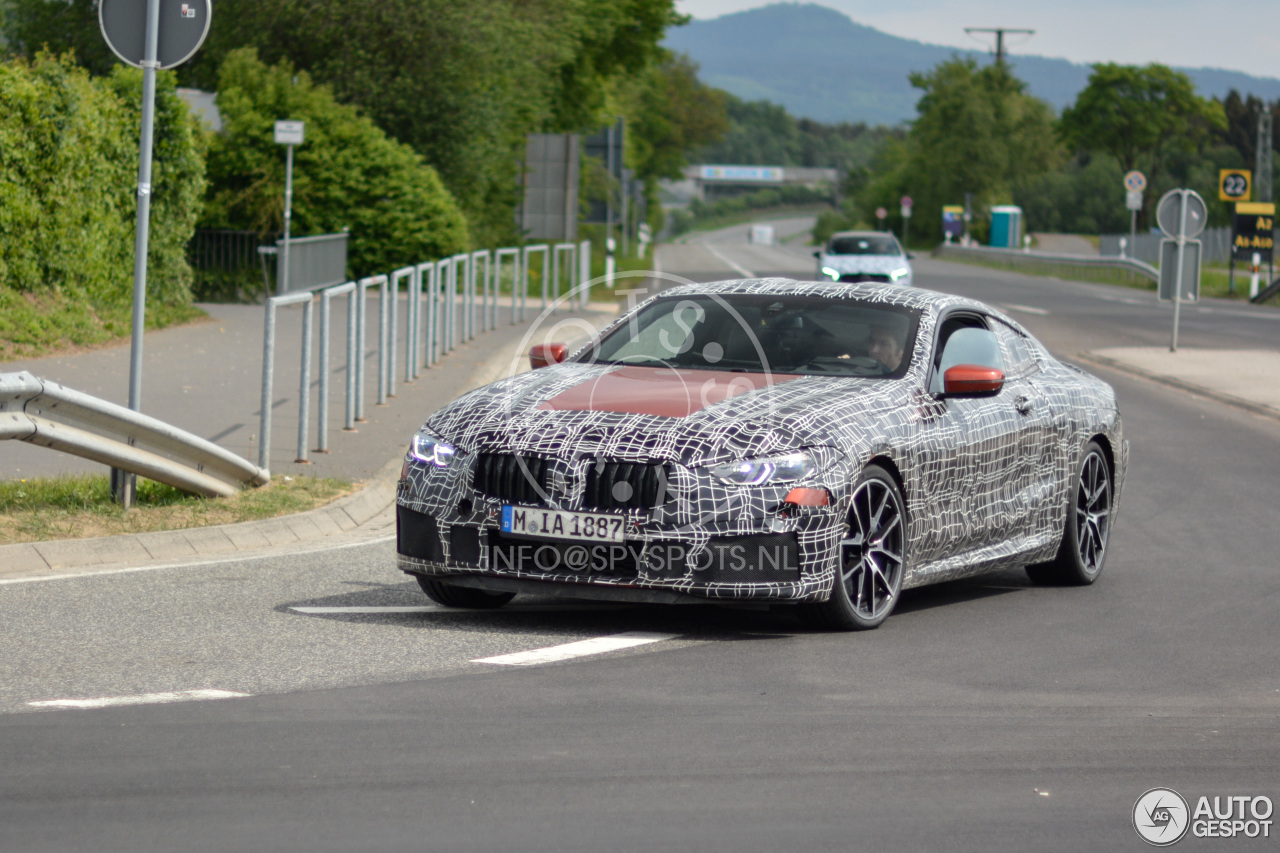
(972, 380)
(542, 355)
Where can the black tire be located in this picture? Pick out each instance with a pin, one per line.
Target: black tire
(1083, 551)
(462, 596)
(873, 558)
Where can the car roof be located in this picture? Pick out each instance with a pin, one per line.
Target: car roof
(892, 294)
(863, 234)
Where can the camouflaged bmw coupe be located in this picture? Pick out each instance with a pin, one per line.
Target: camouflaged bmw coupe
(825, 445)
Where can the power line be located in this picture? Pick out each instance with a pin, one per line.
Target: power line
(999, 31)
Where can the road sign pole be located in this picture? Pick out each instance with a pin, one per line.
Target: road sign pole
(283, 284)
(1177, 282)
(1133, 231)
(123, 483)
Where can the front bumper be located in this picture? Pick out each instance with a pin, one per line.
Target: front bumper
(794, 561)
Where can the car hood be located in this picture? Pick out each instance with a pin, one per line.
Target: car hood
(640, 413)
(865, 263)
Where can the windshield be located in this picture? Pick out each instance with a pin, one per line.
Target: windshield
(865, 244)
(761, 333)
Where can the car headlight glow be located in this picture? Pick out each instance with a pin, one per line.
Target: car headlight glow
(432, 450)
(757, 472)
(898, 274)
(835, 274)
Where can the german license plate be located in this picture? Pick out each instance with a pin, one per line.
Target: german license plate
(558, 524)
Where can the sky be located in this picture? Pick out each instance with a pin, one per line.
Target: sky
(1240, 35)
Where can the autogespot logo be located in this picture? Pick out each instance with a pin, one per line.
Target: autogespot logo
(1160, 816)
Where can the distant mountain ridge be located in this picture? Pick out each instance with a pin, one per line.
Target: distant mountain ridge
(819, 64)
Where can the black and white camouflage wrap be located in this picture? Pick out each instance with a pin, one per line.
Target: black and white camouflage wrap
(987, 483)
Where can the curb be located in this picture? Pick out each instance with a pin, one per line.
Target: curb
(1181, 385)
(365, 514)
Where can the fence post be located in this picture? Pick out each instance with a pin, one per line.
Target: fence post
(322, 400)
(322, 417)
(352, 315)
(268, 369)
(382, 340)
(304, 381)
(422, 339)
(362, 322)
(584, 273)
(402, 273)
(411, 326)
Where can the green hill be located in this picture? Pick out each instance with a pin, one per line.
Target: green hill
(819, 64)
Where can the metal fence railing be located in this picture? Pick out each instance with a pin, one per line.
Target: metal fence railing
(448, 302)
(51, 415)
(1045, 262)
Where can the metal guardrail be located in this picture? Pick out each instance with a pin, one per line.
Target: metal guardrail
(1046, 261)
(50, 415)
(443, 300)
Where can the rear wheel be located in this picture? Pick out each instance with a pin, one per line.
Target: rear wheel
(1084, 541)
(873, 556)
(462, 596)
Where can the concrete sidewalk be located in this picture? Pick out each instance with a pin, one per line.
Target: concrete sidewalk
(222, 410)
(1247, 379)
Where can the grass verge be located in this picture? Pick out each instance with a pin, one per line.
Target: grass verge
(79, 506)
(1214, 281)
(36, 325)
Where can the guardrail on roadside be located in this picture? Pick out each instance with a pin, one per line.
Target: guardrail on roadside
(444, 298)
(50, 415)
(1049, 262)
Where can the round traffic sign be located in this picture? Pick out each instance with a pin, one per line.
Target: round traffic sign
(1170, 216)
(183, 27)
(1135, 182)
(881, 213)
(906, 201)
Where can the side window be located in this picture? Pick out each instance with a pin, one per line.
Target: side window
(1018, 357)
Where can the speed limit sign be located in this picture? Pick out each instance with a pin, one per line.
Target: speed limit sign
(1234, 184)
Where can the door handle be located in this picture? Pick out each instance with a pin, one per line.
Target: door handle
(1024, 405)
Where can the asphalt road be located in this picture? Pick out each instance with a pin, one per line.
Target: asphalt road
(984, 715)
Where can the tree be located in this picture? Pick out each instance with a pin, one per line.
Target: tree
(461, 83)
(978, 131)
(1141, 117)
(347, 174)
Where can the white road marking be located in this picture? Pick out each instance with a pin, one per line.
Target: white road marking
(141, 699)
(740, 270)
(197, 562)
(1025, 308)
(595, 646)
(418, 608)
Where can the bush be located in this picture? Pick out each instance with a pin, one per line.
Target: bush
(68, 172)
(347, 174)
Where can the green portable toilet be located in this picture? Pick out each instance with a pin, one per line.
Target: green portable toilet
(1006, 226)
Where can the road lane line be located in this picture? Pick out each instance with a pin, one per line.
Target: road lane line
(1025, 308)
(567, 651)
(199, 562)
(418, 608)
(140, 699)
(740, 270)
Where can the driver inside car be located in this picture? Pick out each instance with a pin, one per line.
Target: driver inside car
(885, 346)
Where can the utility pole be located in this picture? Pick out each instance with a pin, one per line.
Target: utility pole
(999, 31)
(1262, 170)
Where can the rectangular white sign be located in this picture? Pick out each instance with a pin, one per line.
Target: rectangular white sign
(289, 133)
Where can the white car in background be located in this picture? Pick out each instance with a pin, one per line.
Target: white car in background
(853, 256)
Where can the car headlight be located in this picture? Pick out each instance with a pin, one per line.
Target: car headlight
(835, 274)
(898, 274)
(432, 450)
(757, 472)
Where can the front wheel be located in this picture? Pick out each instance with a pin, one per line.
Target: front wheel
(462, 596)
(1084, 540)
(873, 557)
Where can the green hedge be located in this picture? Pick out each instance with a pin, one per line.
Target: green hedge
(68, 172)
(347, 174)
